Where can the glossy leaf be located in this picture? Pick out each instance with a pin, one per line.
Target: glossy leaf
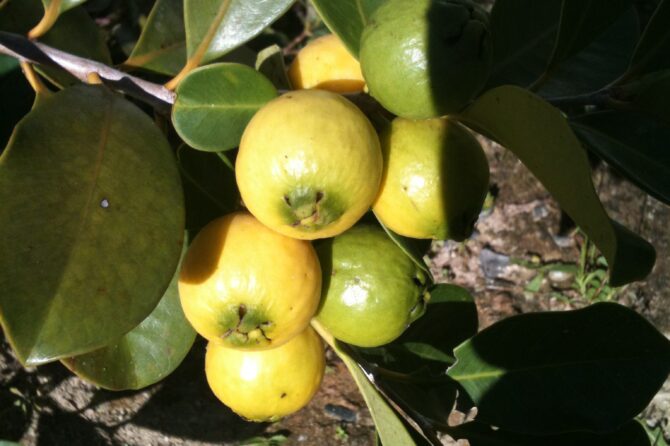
(594, 369)
(146, 354)
(478, 434)
(347, 18)
(76, 33)
(633, 144)
(652, 52)
(92, 224)
(389, 427)
(216, 102)
(210, 189)
(162, 44)
(542, 139)
(270, 63)
(581, 22)
(600, 63)
(427, 345)
(218, 26)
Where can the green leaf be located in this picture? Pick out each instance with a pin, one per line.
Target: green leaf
(162, 44)
(64, 4)
(92, 222)
(542, 139)
(428, 344)
(580, 24)
(347, 18)
(650, 95)
(223, 25)
(76, 33)
(210, 189)
(633, 144)
(146, 354)
(270, 63)
(656, 436)
(543, 373)
(19, 16)
(478, 434)
(652, 51)
(216, 102)
(390, 428)
(17, 97)
(414, 248)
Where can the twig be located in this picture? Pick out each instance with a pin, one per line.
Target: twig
(23, 49)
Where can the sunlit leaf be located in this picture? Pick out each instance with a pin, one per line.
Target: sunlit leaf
(146, 354)
(216, 102)
(92, 222)
(270, 63)
(543, 373)
(542, 139)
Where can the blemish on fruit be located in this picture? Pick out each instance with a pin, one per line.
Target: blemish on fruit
(104, 203)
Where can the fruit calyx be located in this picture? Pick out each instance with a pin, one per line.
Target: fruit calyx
(308, 208)
(249, 329)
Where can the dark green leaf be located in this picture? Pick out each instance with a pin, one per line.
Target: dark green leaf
(223, 25)
(601, 62)
(162, 44)
(478, 434)
(210, 189)
(542, 139)
(144, 355)
(543, 373)
(581, 22)
(92, 222)
(17, 97)
(216, 102)
(427, 345)
(19, 16)
(270, 62)
(523, 35)
(347, 18)
(652, 51)
(650, 95)
(64, 4)
(76, 33)
(633, 144)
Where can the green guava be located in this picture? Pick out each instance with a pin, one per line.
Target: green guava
(371, 290)
(426, 58)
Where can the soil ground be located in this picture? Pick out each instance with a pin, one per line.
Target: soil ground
(512, 264)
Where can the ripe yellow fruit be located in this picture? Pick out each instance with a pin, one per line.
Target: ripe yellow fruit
(435, 179)
(309, 164)
(246, 286)
(270, 384)
(326, 64)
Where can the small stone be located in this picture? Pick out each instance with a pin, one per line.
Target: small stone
(341, 413)
(561, 279)
(493, 264)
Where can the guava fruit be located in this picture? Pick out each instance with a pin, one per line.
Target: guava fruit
(326, 64)
(426, 58)
(246, 286)
(269, 384)
(309, 164)
(435, 180)
(372, 290)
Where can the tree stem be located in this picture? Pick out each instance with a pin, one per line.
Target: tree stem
(26, 50)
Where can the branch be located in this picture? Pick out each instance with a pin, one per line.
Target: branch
(23, 49)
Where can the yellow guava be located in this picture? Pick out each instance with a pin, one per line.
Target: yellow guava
(270, 384)
(326, 64)
(246, 286)
(435, 179)
(309, 164)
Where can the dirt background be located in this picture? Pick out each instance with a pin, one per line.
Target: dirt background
(519, 236)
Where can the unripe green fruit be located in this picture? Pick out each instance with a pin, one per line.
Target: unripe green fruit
(426, 58)
(372, 290)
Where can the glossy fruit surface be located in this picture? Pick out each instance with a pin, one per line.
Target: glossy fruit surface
(270, 384)
(426, 58)
(246, 286)
(372, 291)
(309, 164)
(326, 64)
(435, 179)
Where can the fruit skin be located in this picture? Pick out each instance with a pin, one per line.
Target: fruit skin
(426, 58)
(309, 164)
(435, 179)
(246, 286)
(326, 64)
(270, 384)
(372, 291)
